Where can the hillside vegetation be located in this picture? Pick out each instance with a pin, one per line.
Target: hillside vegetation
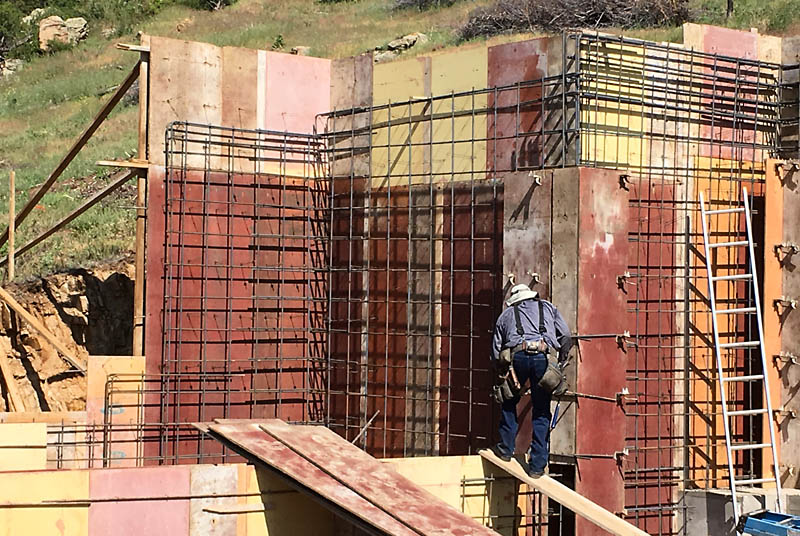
(46, 105)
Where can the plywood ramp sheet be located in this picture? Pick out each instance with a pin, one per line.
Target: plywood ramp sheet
(568, 498)
(328, 465)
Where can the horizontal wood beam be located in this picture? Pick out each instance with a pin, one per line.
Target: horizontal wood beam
(75, 149)
(43, 331)
(118, 180)
(137, 164)
(132, 48)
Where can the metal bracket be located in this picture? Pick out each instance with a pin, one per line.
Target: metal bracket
(784, 168)
(784, 305)
(786, 357)
(622, 340)
(537, 179)
(622, 280)
(783, 412)
(620, 455)
(784, 250)
(534, 278)
(624, 181)
(624, 396)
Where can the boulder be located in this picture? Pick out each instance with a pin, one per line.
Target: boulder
(386, 55)
(8, 67)
(68, 32)
(407, 41)
(301, 51)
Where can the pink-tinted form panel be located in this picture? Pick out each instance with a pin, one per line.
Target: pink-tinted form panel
(298, 88)
(157, 515)
(602, 256)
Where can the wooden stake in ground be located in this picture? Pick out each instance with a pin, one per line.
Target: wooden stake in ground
(14, 399)
(43, 331)
(12, 209)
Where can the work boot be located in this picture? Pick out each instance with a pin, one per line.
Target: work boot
(500, 454)
(534, 474)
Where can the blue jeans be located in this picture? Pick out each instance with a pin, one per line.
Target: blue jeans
(528, 367)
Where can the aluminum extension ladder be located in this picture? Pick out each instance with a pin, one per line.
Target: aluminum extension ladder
(751, 346)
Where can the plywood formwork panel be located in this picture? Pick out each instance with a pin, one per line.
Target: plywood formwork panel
(612, 133)
(708, 459)
(185, 85)
(23, 446)
(564, 287)
(36, 487)
(602, 255)
(459, 150)
(399, 154)
(164, 510)
(207, 481)
(351, 87)
(515, 120)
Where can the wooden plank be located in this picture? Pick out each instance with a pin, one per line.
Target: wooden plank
(75, 149)
(118, 180)
(567, 497)
(376, 482)
(12, 192)
(141, 209)
(236, 509)
(261, 449)
(137, 164)
(15, 402)
(43, 331)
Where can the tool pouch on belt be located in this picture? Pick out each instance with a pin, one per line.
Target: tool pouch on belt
(553, 380)
(507, 386)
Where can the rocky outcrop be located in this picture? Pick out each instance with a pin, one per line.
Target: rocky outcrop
(90, 311)
(68, 32)
(394, 48)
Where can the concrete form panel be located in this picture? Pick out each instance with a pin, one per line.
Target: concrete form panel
(159, 514)
(298, 88)
(240, 86)
(602, 255)
(461, 155)
(351, 87)
(23, 446)
(36, 487)
(398, 142)
(512, 137)
(208, 480)
(564, 287)
(174, 66)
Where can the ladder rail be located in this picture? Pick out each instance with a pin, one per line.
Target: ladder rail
(723, 398)
(768, 402)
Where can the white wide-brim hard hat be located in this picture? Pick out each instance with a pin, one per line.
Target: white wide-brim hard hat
(520, 293)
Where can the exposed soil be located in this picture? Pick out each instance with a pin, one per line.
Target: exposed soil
(89, 310)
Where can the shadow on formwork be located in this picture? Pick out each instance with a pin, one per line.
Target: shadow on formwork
(330, 242)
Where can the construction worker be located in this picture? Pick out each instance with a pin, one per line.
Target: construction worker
(531, 342)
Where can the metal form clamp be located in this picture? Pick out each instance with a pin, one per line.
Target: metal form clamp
(784, 305)
(625, 181)
(786, 167)
(784, 250)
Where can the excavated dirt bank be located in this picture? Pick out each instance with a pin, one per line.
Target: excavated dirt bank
(91, 311)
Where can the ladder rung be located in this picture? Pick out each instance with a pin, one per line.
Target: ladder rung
(753, 481)
(736, 310)
(725, 211)
(744, 378)
(736, 277)
(751, 446)
(729, 244)
(740, 412)
(744, 344)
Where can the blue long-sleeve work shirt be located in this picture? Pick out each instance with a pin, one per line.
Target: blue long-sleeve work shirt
(556, 332)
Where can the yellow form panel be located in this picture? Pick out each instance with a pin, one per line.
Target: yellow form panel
(23, 446)
(459, 128)
(400, 130)
(467, 483)
(37, 487)
(708, 455)
(286, 511)
(612, 126)
(122, 376)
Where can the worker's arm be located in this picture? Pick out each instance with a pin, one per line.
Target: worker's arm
(563, 335)
(497, 339)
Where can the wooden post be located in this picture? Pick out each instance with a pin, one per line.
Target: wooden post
(14, 399)
(141, 214)
(12, 209)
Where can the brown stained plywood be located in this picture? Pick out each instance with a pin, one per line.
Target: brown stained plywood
(185, 85)
(376, 482)
(239, 87)
(564, 288)
(351, 87)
